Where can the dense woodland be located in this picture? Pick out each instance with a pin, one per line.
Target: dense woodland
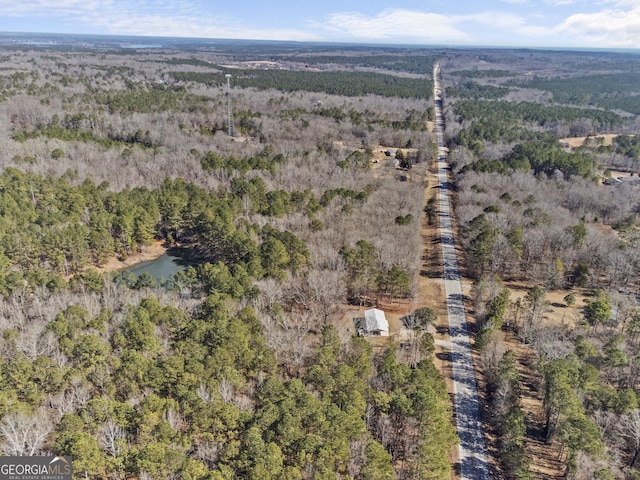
(240, 366)
(537, 214)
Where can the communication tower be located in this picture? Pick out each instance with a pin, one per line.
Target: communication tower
(231, 131)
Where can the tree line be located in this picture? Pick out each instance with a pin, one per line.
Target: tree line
(351, 84)
(405, 62)
(610, 90)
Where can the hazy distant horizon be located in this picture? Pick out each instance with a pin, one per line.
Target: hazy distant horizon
(44, 39)
(582, 24)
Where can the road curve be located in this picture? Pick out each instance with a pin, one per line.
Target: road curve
(472, 451)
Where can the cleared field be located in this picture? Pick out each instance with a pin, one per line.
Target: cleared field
(557, 312)
(575, 142)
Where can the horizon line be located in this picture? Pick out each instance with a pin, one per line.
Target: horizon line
(4, 33)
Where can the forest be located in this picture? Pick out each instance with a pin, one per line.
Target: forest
(551, 251)
(615, 91)
(245, 364)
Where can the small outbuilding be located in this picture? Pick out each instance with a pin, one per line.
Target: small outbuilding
(376, 322)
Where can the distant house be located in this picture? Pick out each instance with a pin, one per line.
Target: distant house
(375, 323)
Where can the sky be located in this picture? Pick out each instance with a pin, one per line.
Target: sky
(528, 23)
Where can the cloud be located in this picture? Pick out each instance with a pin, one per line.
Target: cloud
(396, 24)
(612, 27)
(623, 3)
(42, 7)
(172, 18)
(493, 19)
(616, 24)
(560, 3)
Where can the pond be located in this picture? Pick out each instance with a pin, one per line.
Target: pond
(160, 268)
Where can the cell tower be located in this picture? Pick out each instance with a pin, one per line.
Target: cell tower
(229, 109)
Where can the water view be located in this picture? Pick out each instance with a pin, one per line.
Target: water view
(161, 267)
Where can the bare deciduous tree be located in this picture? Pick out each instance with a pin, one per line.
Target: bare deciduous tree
(208, 451)
(607, 423)
(630, 430)
(491, 356)
(174, 419)
(226, 390)
(71, 400)
(23, 434)
(112, 437)
(204, 393)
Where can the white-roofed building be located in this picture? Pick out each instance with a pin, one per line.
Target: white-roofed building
(376, 323)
